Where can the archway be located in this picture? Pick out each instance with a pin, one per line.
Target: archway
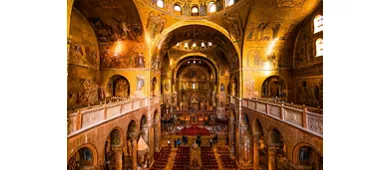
(306, 156)
(118, 86)
(128, 153)
(259, 150)
(113, 150)
(274, 87)
(144, 129)
(83, 158)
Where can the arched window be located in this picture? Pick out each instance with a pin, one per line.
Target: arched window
(230, 2)
(177, 8)
(212, 7)
(319, 47)
(160, 3)
(195, 11)
(318, 24)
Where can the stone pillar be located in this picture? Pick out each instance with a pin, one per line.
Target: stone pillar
(134, 157)
(271, 158)
(150, 130)
(157, 135)
(118, 158)
(231, 133)
(255, 140)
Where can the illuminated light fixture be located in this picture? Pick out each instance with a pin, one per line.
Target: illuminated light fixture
(202, 44)
(210, 44)
(194, 45)
(160, 3)
(193, 62)
(118, 48)
(271, 46)
(188, 62)
(178, 44)
(200, 61)
(185, 45)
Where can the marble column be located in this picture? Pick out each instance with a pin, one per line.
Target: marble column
(231, 133)
(118, 158)
(134, 157)
(271, 158)
(255, 140)
(157, 135)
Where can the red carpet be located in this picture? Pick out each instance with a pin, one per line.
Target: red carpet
(193, 131)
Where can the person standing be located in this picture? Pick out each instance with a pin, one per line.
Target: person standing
(178, 143)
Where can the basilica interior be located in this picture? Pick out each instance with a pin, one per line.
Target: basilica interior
(194, 84)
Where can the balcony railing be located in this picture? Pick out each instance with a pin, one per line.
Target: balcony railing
(85, 118)
(302, 117)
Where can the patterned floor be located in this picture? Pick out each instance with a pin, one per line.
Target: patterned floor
(217, 157)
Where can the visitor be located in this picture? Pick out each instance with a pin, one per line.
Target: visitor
(211, 142)
(169, 142)
(178, 143)
(175, 142)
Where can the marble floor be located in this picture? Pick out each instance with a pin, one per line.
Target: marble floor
(204, 157)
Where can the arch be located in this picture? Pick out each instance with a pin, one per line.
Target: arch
(210, 62)
(212, 7)
(245, 120)
(118, 86)
(157, 46)
(318, 23)
(275, 137)
(131, 128)
(115, 136)
(230, 3)
(274, 87)
(312, 150)
(195, 10)
(160, 3)
(113, 140)
(88, 146)
(257, 127)
(143, 121)
(177, 8)
(319, 47)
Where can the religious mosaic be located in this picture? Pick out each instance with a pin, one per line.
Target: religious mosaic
(264, 31)
(111, 29)
(233, 25)
(155, 24)
(131, 57)
(289, 3)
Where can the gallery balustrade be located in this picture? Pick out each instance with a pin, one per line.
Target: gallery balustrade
(302, 117)
(85, 118)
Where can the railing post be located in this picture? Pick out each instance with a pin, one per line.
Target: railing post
(105, 112)
(282, 111)
(304, 118)
(79, 120)
(122, 103)
(267, 107)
